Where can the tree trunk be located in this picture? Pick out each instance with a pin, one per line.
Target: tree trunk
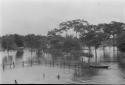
(8, 53)
(95, 55)
(8, 57)
(31, 53)
(31, 57)
(89, 54)
(66, 33)
(117, 52)
(113, 45)
(76, 35)
(103, 51)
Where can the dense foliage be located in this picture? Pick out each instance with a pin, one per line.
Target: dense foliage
(58, 45)
(121, 42)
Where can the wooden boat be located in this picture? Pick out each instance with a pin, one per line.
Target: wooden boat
(99, 66)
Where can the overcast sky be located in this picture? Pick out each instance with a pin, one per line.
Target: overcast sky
(40, 16)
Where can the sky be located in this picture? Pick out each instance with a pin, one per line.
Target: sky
(40, 16)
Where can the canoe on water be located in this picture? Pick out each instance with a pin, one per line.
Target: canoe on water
(99, 66)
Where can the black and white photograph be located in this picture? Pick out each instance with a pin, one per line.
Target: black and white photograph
(62, 42)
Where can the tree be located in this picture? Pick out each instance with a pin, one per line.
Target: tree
(60, 46)
(92, 38)
(121, 42)
(42, 46)
(55, 45)
(113, 29)
(65, 26)
(19, 40)
(8, 43)
(78, 25)
(19, 54)
(32, 42)
(71, 46)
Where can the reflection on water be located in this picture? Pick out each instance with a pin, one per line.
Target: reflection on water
(114, 75)
(7, 59)
(19, 54)
(85, 74)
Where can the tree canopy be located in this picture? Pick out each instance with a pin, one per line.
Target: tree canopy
(89, 35)
(7, 43)
(121, 42)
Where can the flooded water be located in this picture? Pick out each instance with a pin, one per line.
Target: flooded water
(115, 74)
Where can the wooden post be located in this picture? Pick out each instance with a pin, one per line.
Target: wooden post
(16, 82)
(58, 76)
(43, 75)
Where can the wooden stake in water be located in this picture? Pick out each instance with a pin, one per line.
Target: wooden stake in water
(16, 82)
(3, 67)
(58, 76)
(43, 75)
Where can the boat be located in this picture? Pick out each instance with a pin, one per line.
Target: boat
(99, 66)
